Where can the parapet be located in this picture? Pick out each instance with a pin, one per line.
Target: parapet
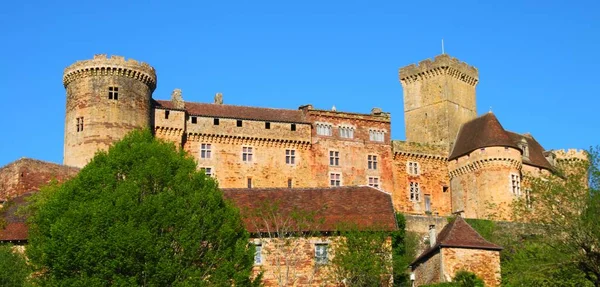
(420, 149)
(115, 65)
(570, 154)
(441, 64)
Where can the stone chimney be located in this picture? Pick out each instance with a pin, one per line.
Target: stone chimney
(218, 98)
(432, 235)
(177, 99)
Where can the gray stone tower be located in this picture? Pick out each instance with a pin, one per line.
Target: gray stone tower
(439, 96)
(106, 99)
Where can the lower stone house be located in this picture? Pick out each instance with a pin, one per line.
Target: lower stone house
(457, 247)
(294, 229)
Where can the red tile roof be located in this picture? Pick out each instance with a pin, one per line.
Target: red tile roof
(237, 112)
(536, 151)
(362, 206)
(484, 131)
(16, 228)
(458, 234)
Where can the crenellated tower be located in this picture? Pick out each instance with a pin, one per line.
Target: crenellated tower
(106, 99)
(439, 96)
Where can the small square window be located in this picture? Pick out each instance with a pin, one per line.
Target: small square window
(216, 122)
(113, 93)
(258, 260)
(194, 120)
(268, 125)
(374, 181)
(290, 156)
(335, 179)
(247, 154)
(293, 127)
(334, 158)
(167, 115)
(239, 123)
(207, 170)
(321, 253)
(205, 150)
(372, 162)
(413, 168)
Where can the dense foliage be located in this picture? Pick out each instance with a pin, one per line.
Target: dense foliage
(13, 268)
(404, 251)
(461, 279)
(138, 215)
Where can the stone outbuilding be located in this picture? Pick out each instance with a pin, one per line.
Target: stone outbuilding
(457, 247)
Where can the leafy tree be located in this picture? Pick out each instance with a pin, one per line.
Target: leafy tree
(566, 210)
(139, 215)
(404, 251)
(362, 257)
(13, 268)
(461, 279)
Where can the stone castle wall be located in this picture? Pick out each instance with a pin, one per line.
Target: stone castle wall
(94, 121)
(27, 175)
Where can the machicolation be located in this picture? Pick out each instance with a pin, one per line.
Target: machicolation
(441, 64)
(113, 66)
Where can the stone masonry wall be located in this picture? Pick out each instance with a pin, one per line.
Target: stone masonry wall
(428, 272)
(26, 175)
(481, 182)
(484, 263)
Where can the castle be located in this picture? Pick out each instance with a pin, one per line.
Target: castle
(451, 161)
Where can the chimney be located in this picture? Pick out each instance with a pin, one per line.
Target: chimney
(177, 99)
(432, 235)
(218, 98)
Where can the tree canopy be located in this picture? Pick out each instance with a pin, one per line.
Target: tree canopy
(13, 268)
(140, 214)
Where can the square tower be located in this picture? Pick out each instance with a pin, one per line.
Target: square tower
(439, 96)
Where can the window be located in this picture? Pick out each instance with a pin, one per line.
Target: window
(207, 170)
(445, 188)
(247, 154)
(346, 132)
(290, 156)
(324, 129)
(321, 253)
(290, 183)
(268, 125)
(515, 184)
(80, 124)
(334, 158)
(413, 168)
(205, 150)
(113, 93)
(216, 122)
(249, 182)
(239, 123)
(194, 120)
(258, 254)
(372, 162)
(415, 191)
(293, 127)
(374, 181)
(427, 203)
(335, 179)
(376, 135)
(166, 115)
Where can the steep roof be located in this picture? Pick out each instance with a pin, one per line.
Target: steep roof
(237, 112)
(16, 228)
(458, 234)
(536, 151)
(484, 131)
(363, 206)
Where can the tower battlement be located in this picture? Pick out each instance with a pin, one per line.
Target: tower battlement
(570, 154)
(441, 65)
(113, 66)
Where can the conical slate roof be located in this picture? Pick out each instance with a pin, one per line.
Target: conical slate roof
(484, 131)
(458, 234)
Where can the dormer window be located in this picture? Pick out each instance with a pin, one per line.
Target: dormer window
(524, 147)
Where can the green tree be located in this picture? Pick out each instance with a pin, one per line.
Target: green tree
(404, 251)
(13, 268)
(362, 257)
(565, 208)
(138, 215)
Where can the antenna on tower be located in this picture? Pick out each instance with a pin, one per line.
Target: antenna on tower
(443, 52)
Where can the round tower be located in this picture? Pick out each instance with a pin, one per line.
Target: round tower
(106, 99)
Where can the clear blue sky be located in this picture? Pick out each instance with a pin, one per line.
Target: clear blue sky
(537, 60)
